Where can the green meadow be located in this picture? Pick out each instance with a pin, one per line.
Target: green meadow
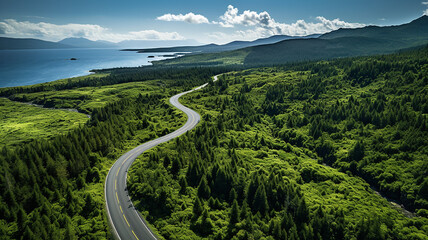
(22, 122)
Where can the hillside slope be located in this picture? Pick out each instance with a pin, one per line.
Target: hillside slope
(211, 48)
(28, 43)
(86, 43)
(340, 43)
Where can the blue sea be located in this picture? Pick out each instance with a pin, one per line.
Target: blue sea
(27, 67)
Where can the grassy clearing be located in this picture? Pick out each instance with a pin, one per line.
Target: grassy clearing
(86, 99)
(224, 58)
(20, 123)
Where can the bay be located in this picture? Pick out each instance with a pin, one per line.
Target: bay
(27, 67)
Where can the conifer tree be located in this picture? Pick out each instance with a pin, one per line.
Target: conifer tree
(203, 189)
(234, 213)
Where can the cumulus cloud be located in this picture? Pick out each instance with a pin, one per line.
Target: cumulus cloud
(248, 18)
(426, 10)
(264, 25)
(54, 32)
(189, 17)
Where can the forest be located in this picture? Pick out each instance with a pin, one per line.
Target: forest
(296, 151)
(52, 187)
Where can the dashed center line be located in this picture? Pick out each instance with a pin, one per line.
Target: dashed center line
(126, 220)
(135, 235)
(155, 142)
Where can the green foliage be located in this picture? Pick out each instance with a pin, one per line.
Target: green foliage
(22, 123)
(250, 169)
(252, 165)
(53, 188)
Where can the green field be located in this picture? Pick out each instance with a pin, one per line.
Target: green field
(86, 99)
(56, 112)
(22, 123)
(236, 57)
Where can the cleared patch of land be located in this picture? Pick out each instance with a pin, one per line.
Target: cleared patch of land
(21, 122)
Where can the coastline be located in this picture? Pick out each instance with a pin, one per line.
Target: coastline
(29, 67)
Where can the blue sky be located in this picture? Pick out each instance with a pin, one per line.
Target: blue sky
(205, 21)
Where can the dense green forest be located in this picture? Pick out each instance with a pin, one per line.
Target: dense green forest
(293, 152)
(52, 188)
(286, 152)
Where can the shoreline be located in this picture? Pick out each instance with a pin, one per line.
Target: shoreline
(32, 72)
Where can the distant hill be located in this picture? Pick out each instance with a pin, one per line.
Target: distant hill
(279, 38)
(209, 48)
(345, 42)
(28, 43)
(315, 49)
(340, 43)
(86, 43)
(413, 31)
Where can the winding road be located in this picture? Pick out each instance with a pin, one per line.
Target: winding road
(125, 220)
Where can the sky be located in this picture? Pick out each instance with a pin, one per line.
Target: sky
(216, 21)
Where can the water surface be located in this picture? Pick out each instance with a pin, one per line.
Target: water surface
(27, 67)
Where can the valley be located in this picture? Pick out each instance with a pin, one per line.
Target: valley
(312, 129)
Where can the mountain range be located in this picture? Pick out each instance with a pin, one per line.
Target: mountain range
(86, 43)
(28, 43)
(31, 43)
(139, 45)
(225, 47)
(368, 40)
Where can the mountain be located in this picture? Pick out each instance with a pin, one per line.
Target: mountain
(28, 43)
(340, 43)
(279, 38)
(86, 43)
(414, 31)
(316, 49)
(209, 48)
(369, 40)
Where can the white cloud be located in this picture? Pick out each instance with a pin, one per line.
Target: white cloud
(426, 10)
(189, 17)
(263, 24)
(151, 35)
(248, 18)
(54, 32)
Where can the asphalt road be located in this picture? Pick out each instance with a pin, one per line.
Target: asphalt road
(125, 220)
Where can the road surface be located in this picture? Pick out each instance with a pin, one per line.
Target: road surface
(125, 220)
